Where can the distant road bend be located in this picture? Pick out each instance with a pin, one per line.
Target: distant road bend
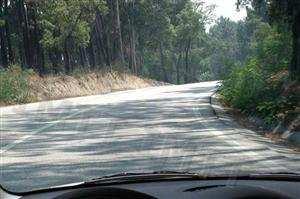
(158, 128)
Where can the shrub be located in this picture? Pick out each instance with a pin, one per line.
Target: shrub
(257, 87)
(244, 87)
(205, 76)
(272, 48)
(269, 110)
(254, 93)
(14, 85)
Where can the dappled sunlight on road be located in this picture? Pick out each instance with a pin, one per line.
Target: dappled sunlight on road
(164, 128)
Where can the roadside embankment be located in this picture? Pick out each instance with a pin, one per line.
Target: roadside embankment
(57, 87)
(19, 87)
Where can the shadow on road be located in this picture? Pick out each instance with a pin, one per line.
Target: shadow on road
(177, 132)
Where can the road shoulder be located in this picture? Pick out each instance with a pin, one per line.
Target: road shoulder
(225, 114)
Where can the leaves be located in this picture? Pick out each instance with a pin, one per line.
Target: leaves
(2, 22)
(62, 19)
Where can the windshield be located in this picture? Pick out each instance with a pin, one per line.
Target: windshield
(97, 87)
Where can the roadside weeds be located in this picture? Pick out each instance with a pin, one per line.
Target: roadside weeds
(55, 87)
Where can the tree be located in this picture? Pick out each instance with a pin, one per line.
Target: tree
(295, 65)
(119, 32)
(287, 12)
(66, 28)
(226, 47)
(158, 39)
(190, 29)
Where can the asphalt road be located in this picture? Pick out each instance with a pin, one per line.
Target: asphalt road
(159, 128)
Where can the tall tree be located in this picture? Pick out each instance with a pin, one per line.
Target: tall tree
(190, 28)
(284, 11)
(121, 53)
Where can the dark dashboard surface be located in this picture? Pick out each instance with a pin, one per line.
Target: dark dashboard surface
(182, 189)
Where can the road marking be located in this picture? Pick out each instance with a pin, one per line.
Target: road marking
(22, 139)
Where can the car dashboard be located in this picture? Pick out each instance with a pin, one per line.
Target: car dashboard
(190, 189)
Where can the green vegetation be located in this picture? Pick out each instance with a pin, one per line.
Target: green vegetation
(258, 58)
(14, 85)
(164, 40)
(261, 85)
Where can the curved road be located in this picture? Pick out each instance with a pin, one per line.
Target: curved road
(158, 128)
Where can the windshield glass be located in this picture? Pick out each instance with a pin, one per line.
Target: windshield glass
(97, 87)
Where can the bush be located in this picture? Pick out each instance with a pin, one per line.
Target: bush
(254, 93)
(257, 87)
(272, 48)
(205, 76)
(14, 86)
(244, 87)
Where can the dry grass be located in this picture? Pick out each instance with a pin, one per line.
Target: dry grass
(92, 83)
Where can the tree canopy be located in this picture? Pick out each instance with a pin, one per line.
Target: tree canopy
(167, 40)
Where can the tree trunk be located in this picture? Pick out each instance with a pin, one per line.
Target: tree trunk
(133, 64)
(99, 39)
(295, 65)
(103, 39)
(86, 58)
(4, 60)
(162, 62)
(67, 58)
(38, 50)
(91, 52)
(187, 50)
(119, 32)
(10, 51)
(20, 30)
(53, 57)
(108, 51)
(41, 61)
(11, 57)
(81, 57)
(26, 37)
(177, 69)
(174, 62)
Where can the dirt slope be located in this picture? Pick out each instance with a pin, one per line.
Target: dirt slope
(57, 87)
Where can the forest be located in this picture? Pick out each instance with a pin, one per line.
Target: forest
(166, 40)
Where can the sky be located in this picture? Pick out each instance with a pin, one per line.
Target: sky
(227, 8)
